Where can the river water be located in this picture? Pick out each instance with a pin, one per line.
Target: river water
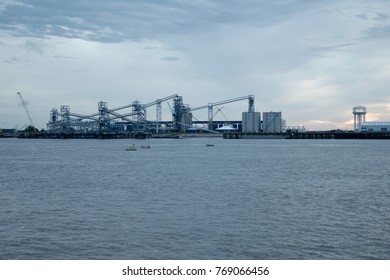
(181, 199)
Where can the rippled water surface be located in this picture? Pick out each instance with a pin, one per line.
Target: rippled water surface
(239, 199)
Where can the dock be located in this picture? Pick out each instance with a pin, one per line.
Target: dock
(334, 134)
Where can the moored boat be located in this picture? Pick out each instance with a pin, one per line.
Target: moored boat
(131, 148)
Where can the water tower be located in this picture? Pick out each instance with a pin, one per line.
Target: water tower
(359, 116)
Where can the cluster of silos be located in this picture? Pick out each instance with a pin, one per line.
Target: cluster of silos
(272, 122)
(251, 122)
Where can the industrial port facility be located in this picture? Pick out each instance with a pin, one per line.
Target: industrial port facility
(131, 121)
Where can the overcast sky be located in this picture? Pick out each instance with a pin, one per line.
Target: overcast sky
(312, 60)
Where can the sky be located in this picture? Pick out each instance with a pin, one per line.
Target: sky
(312, 60)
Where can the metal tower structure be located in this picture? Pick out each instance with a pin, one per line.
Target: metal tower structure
(53, 115)
(65, 113)
(103, 116)
(251, 104)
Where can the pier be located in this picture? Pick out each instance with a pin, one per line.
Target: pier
(227, 135)
(335, 134)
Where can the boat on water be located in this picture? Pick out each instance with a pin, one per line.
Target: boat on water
(131, 148)
(209, 145)
(145, 146)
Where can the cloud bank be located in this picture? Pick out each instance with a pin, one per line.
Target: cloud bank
(312, 61)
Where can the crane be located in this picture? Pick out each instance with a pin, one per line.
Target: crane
(27, 110)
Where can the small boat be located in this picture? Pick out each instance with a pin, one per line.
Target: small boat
(131, 148)
(145, 146)
(209, 145)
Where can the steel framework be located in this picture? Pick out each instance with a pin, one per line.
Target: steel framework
(113, 119)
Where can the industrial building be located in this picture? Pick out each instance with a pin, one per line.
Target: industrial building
(374, 127)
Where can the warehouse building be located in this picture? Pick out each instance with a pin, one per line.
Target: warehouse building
(374, 127)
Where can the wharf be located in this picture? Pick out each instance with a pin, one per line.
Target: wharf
(7, 133)
(112, 135)
(88, 135)
(241, 135)
(339, 135)
(334, 134)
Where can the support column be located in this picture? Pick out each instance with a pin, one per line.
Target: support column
(210, 113)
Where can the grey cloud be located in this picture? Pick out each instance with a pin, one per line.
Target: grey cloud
(65, 57)
(338, 47)
(10, 60)
(288, 53)
(381, 17)
(134, 20)
(378, 17)
(362, 16)
(6, 4)
(379, 32)
(34, 47)
(169, 58)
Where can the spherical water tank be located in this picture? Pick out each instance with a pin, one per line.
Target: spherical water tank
(359, 110)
